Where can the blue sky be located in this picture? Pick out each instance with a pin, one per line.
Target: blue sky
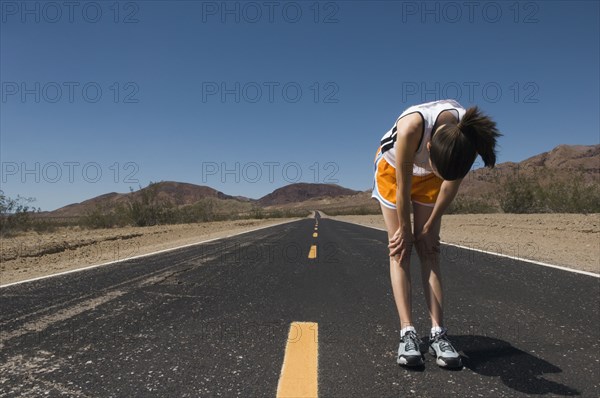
(249, 96)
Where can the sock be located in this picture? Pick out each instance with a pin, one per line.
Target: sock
(406, 329)
(436, 329)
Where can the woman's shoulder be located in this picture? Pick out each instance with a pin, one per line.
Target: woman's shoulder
(410, 123)
(411, 127)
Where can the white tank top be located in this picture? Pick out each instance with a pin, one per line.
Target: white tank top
(429, 113)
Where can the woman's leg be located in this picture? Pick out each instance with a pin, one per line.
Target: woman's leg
(399, 273)
(431, 276)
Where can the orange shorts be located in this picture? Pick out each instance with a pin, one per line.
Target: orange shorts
(424, 189)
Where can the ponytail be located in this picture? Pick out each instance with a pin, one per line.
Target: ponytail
(455, 147)
(481, 131)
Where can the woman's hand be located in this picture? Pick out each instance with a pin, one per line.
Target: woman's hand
(401, 244)
(427, 241)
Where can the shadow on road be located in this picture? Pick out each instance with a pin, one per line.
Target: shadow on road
(517, 369)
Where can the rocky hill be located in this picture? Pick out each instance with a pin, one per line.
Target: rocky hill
(562, 163)
(300, 192)
(176, 193)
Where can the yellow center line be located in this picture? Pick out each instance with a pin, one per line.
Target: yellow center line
(313, 252)
(299, 372)
(315, 235)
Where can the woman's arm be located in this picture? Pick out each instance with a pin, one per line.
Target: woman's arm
(407, 141)
(428, 241)
(447, 193)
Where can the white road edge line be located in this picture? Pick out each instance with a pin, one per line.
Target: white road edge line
(143, 255)
(496, 254)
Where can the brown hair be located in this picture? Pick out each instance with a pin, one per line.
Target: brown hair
(454, 147)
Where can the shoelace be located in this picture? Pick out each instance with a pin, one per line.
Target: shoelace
(444, 344)
(411, 341)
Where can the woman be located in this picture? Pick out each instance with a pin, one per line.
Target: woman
(423, 159)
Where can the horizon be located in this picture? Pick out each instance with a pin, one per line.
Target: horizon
(285, 185)
(247, 99)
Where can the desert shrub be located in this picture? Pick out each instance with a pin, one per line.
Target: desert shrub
(43, 224)
(146, 209)
(355, 211)
(572, 196)
(201, 211)
(257, 213)
(521, 194)
(260, 213)
(15, 214)
(100, 217)
(467, 205)
(532, 195)
(278, 213)
(290, 213)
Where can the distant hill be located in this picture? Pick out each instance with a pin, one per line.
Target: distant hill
(359, 202)
(183, 194)
(560, 164)
(568, 158)
(300, 192)
(177, 193)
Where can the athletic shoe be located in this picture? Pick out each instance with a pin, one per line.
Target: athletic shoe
(408, 351)
(443, 351)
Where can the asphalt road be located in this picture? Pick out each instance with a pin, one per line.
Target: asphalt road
(213, 320)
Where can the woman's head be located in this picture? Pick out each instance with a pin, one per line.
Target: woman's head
(454, 147)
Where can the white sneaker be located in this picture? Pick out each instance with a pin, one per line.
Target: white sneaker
(408, 351)
(443, 351)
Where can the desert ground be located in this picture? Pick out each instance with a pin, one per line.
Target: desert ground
(569, 240)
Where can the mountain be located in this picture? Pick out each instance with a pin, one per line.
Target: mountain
(177, 193)
(568, 158)
(300, 192)
(182, 194)
(560, 164)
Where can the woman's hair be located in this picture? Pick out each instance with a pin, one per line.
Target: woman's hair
(454, 147)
